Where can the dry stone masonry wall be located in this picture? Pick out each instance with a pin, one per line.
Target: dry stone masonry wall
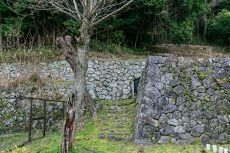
(181, 99)
(110, 80)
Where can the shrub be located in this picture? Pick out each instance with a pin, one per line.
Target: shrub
(219, 29)
(181, 32)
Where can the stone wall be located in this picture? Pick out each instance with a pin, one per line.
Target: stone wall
(110, 80)
(14, 114)
(181, 99)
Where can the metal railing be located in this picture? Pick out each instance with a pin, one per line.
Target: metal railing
(27, 118)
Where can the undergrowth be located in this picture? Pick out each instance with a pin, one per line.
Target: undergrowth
(34, 55)
(44, 54)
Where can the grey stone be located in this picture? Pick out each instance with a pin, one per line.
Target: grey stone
(149, 120)
(205, 139)
(161, 103)
(159, 85)
(170, 108)
(172, 101)
(181, 107)
(197, 130)
(181, 142)
(163, 118)
(173, 122)
(195, 83)
(167, 78)
(167, 130)
(186, 136)
(178, 89)
(179, 129)
(224, 138)
(180, 100)
(164, 139)
(201, 89)
(206, 83)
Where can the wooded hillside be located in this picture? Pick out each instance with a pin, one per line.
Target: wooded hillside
(145, 23)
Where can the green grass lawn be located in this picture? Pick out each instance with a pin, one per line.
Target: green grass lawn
(117, 122)
(11, 140)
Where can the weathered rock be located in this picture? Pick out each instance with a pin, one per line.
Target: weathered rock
(164, 139)
(224, 138)
(173, 122)
(167, 130)
(187, 136)
(197, 130)
(205, 139)
(179, 129)
(170, 108)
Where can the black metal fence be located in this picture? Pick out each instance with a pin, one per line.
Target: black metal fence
(23, 119)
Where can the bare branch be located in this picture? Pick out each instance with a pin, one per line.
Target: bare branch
(77, 10)
(91, 12)
(112, 13)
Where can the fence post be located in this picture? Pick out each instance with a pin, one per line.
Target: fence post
(44, 112)
(30, 120)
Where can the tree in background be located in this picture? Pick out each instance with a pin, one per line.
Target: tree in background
(89, 14)
(220, 28)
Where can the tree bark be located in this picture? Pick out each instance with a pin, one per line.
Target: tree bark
(1, 45)
(205, 19)
(69, 126)
(78, 59)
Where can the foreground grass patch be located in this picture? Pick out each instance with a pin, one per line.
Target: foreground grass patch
(114, 120)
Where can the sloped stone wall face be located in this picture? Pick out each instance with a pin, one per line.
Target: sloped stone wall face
(106, 80)
(180, 100)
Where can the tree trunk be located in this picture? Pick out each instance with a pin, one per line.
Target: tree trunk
(69, 126)
(1, 45)
(205, 19)
(54, 37)
(78, 59)
(205, 26)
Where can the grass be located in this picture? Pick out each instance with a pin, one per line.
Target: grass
(193, 51)
(44, 54)
(114, 118)
(110, 51)
(10, 141)
(15, 139)
(24, 55)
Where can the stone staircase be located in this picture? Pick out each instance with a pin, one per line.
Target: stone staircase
(117, 120)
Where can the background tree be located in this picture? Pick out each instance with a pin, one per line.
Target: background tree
(220, 28)
(89, 13)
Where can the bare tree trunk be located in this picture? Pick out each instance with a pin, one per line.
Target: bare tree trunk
(1, 45)
(54, 37)
(205, 19)
(69, 126)
(78, 59)
(205, 26)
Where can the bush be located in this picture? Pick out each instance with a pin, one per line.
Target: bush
(219, 29)
(181, 32)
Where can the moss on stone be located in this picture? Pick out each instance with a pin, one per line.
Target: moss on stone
(201, 74)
